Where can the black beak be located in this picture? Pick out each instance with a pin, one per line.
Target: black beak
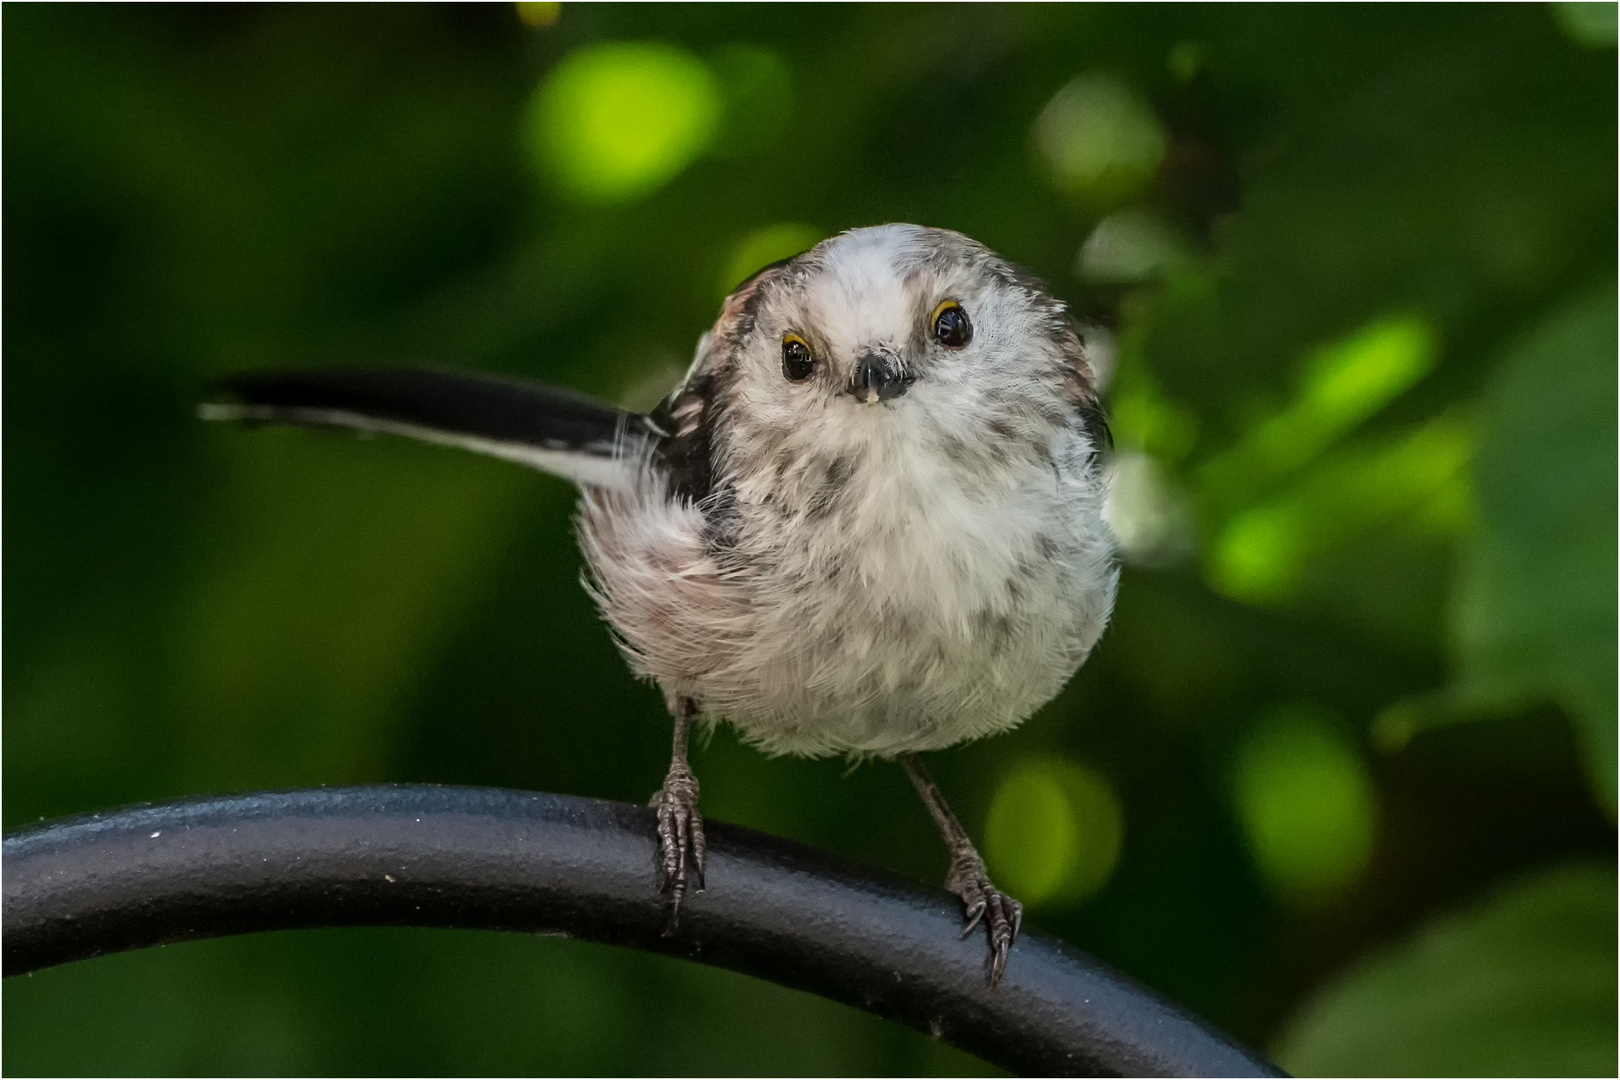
(878, 377)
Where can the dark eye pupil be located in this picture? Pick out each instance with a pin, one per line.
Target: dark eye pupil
(796, 361)
(952, 327)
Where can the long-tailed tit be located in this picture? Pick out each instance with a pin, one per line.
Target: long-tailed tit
(867, 522)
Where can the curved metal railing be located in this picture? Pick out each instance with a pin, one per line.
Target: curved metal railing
(417, 855)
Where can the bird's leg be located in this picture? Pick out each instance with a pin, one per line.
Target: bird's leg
(680, 828)
(981, 900)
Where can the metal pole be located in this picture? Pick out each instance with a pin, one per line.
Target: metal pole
(412, 855)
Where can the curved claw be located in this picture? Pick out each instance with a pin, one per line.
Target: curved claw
(681, 846)
(698, 846)
(973, 914)
(982, 902)
(1002, 933)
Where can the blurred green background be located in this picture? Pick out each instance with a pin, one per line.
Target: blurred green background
(1341, 775)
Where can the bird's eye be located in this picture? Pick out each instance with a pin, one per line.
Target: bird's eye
(797, 362)
(951, 326)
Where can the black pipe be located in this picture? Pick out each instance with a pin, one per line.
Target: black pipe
(484, 858)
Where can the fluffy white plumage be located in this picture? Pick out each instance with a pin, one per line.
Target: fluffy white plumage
(832, 575)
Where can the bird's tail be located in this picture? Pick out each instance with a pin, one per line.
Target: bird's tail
(561, 432)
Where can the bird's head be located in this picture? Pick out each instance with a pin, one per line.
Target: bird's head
(889, 341)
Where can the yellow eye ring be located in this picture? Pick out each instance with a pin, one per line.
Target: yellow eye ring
(951, 326)
(798, 360)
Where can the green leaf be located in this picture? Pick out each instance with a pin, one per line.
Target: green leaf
(1522, 985)
(1535, 615)
(1412, 482)
(1342, 385)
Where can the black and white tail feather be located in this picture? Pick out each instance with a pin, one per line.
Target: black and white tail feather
(556, 431)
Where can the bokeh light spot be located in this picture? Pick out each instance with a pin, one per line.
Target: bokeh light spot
(1145, 419)
(1306, 805)
(1128, 247)
(1100, 141)
(1260, 555)
(538, 15)
(1186, 60)
(1596, 24)
(764, 246)
(1149, 517)
(1054, 831)
(615, 122)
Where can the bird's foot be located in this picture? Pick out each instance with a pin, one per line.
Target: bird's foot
(680, 839)
(983, 902)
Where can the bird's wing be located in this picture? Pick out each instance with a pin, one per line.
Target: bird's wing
(560, 432)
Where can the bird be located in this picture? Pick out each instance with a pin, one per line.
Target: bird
(868, 521)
